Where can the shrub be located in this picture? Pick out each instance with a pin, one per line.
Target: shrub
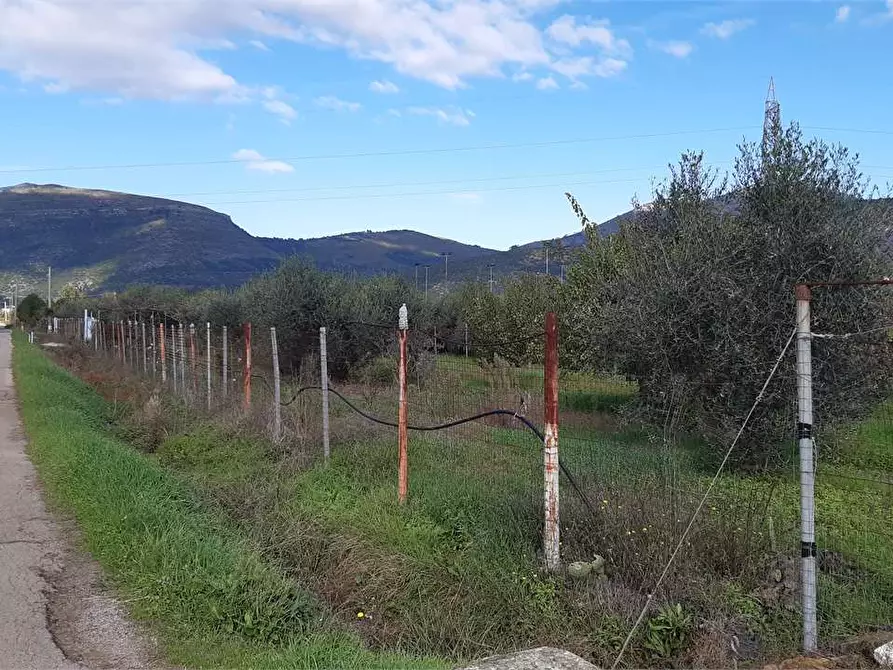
(694, 298)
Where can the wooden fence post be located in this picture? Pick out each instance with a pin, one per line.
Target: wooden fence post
(551, 532)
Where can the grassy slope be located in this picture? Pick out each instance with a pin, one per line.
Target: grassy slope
(214, 599)
(454, 573)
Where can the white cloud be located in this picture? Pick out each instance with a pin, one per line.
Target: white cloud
(453, 117)
(281, 109)
(609, 67)
(613, 53)
(725, 29)
(158, 50)
(568, 31)
(522, 76)
(676, 48)
(547, 84)
(337, 104)
(255, 161)
(469, 197)
(383, 87)
(843, 14)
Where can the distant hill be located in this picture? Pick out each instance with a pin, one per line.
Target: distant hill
(531, 257)
(376, 253)
(109, 240)
(115, 239)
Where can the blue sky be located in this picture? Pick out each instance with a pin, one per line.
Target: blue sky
(257, 96)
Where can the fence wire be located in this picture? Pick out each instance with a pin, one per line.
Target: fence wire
(853, 446)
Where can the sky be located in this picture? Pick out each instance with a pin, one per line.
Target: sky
(465, 119)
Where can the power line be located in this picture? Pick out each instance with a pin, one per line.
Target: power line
(373, 154)
(365, 196)
(417, 193)
(473, 180)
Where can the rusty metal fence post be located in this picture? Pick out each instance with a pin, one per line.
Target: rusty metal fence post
(402, 437)
(277, 397)
(324, 382)
(551, 533)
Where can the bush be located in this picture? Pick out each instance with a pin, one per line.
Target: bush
(694, 298)
(31, 309)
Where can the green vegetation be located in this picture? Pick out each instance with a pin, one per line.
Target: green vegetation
(181, 566)
(456, 572)
(31, 309)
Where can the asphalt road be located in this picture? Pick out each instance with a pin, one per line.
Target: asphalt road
(29, 546)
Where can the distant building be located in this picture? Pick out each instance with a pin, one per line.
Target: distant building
(7, 316)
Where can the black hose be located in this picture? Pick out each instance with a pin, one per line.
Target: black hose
(458, 422)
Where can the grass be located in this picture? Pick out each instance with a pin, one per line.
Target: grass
(180, 566)
(455, 572)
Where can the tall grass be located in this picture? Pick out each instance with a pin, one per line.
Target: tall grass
(182, 568)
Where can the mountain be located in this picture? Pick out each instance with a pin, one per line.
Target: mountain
(530, 257)
(108, 240)
(376, 253)
(113, 239)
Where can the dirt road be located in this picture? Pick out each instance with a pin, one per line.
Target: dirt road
(51, 596)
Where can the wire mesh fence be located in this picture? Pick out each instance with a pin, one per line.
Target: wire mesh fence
(631, 492)
(852, 361)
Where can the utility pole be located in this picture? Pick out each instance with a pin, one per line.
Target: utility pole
(417, 276)
(547, 258)
(426, 281)
(49, 287)
(490, 282)
(771, 120)
(446, 264)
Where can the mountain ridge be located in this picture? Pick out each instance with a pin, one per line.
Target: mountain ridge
(107, 240)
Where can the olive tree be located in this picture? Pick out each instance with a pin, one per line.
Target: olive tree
(695, 299)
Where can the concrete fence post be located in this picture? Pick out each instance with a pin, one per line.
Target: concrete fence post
(208, 359)
(225, 363)
(145, 351)
(161, 336)
(807, 469)
(551, 532)
(277, 390)
(246, 370)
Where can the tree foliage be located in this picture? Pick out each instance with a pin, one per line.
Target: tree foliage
(694, 298)
(31, 309)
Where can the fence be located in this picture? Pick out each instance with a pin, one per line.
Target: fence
(846, 458)
(467, 430)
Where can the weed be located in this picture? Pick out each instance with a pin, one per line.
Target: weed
(181, 567)
(667, 633)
